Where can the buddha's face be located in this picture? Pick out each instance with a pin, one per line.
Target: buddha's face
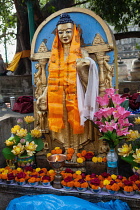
(65, 32)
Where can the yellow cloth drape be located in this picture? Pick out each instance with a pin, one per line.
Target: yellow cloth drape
(14, 63)
(62, 78)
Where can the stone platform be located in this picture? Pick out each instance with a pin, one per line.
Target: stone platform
(9, 192)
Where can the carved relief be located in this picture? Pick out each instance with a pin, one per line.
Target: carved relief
(106, 71)
(40, 81)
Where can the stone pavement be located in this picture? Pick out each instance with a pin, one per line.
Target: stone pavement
(7, 112)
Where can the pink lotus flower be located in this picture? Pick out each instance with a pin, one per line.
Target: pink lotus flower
(111, 118)
(103, 101)
(110, 91)
(117, 100)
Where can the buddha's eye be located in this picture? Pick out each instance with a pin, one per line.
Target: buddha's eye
(68, 32)
(60, 32)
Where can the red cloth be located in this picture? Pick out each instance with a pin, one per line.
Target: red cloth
(24, 104)
(127, 95)
(133, 101)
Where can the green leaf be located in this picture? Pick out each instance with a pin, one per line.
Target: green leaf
(130, 160)
(28, 137)
(17, 139)
(40, 144)
(7, 153)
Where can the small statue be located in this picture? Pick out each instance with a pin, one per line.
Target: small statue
(103, 149)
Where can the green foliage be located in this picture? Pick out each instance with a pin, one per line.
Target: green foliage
(119, 13)
(8, 20)
(7, 153)
(40, 144)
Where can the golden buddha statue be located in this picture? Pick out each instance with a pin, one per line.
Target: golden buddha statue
(71, 91)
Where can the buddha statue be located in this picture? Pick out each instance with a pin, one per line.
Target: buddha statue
(71, 91)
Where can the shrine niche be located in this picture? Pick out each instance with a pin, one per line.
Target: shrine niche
(97, 48)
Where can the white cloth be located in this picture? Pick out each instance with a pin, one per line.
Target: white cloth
(87, 104)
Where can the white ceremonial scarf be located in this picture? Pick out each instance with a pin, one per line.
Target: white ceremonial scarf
(87, 103)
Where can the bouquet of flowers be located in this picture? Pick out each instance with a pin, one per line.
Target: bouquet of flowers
(23, 142)
(130, 149)
(111, 118)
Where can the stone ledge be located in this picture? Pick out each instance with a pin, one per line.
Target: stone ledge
(9, 192)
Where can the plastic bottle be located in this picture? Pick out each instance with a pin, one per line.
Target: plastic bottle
(112, 162)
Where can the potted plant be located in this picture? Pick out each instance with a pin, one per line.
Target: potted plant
(23, 143)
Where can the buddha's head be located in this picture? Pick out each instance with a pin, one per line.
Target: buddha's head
(65, 28)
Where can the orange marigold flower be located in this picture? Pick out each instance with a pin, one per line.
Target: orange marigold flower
(53, 151)
(70, 184)
(88, 178)
(44, 169)
(128, 188)
(100, 177)
(84, 152)
(32, 180)
(79, 155)
(77, 176)
(120, 184)
(108, 187)
(63, 183)
(58, 151)
(135, 187)
(22, 180)
(115, 187)
(84, 185)
(137, 181)
(68, 156)
(104, 159)
(77, 184)
(94, 187)
(70, 151)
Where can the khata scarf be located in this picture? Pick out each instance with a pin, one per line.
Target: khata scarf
(62, 77)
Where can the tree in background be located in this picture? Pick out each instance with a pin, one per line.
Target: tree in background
(118, 13)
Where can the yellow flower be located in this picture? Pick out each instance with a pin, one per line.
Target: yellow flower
(57, 148)
(113, 176)
(2, 169)
(106, 182)
(30, 148)
(137, 156)
(125, 150)
(49, 154)
(100, 159)
(94, 159)
(18, 149)
(80, 160)
(137, 120)
(15, 128)
(5, 172)
(29, 119)
(78, 172)
(9, 143)
(133, 135)
(36, 133)
(37, 169)
(19, 169)
(21, 133)
(51, 171)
